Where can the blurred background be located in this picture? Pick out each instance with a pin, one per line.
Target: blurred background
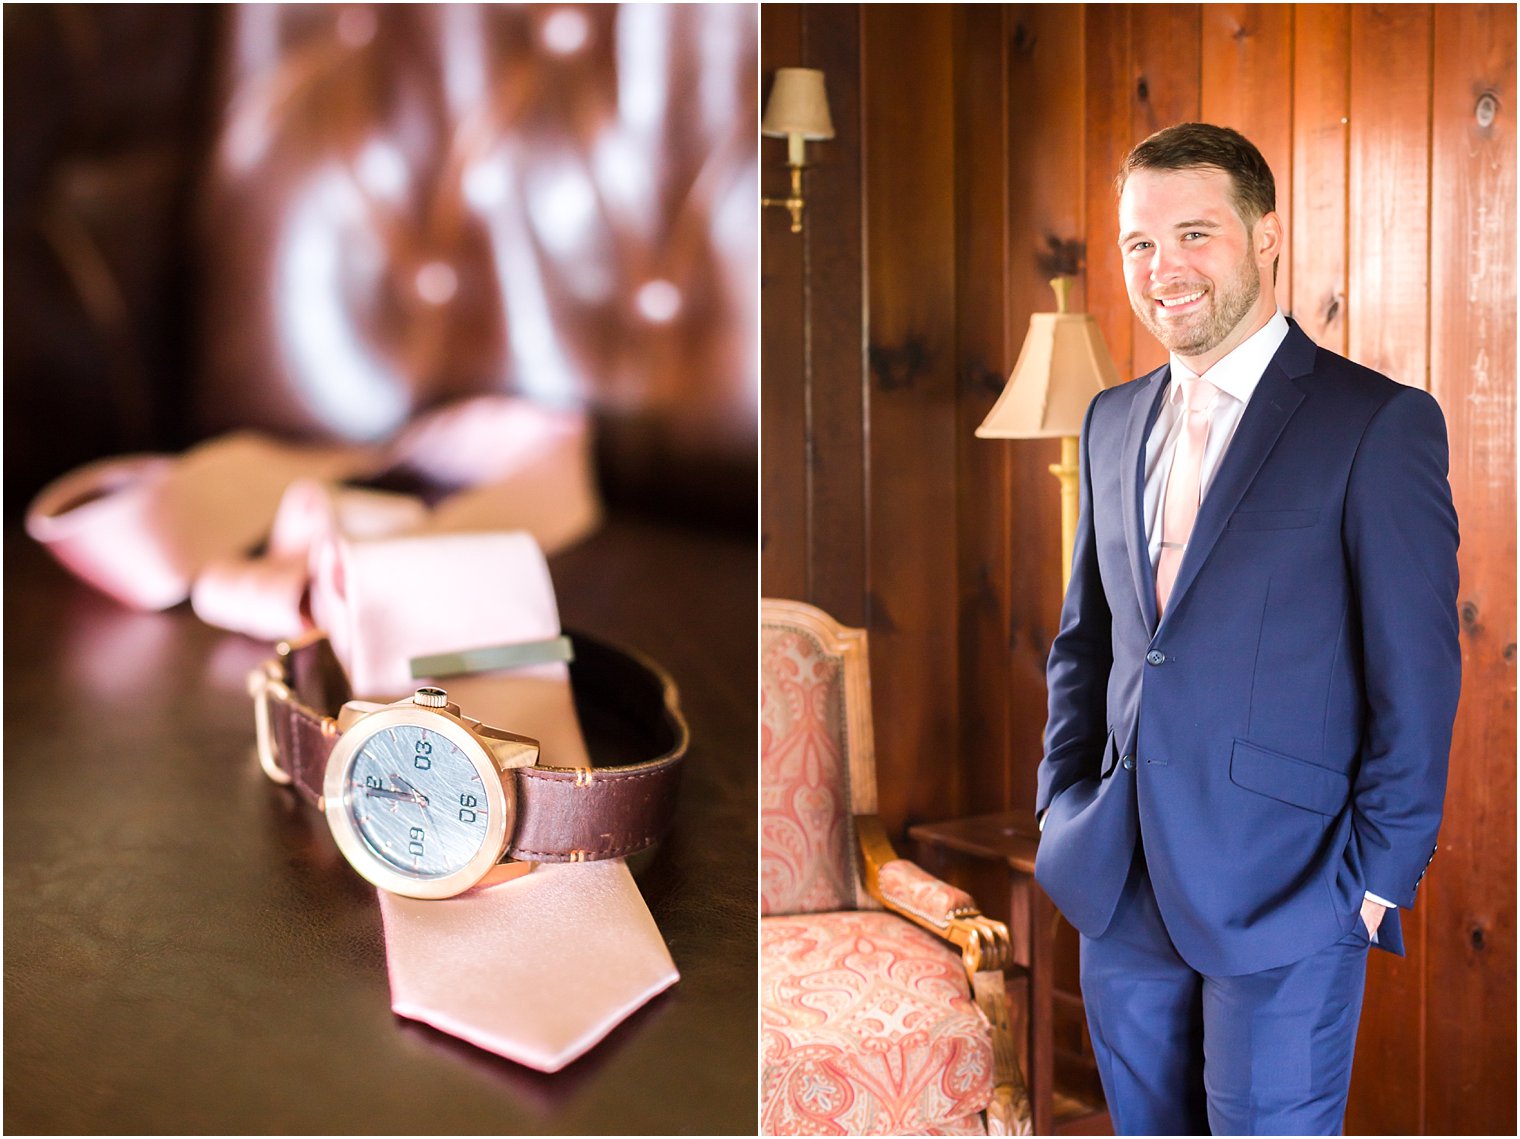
(320, 220)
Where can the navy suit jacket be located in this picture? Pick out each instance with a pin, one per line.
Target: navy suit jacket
(1280, 737)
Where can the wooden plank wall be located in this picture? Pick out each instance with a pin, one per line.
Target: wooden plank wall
(974, 140)
(1469, 907)
(813, 521)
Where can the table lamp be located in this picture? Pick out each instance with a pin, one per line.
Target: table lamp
(1063, 364)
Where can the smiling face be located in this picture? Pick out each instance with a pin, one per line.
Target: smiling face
(1197, 277)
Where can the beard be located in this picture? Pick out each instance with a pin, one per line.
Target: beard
(1225, 306)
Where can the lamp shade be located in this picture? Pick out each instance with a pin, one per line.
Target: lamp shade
(798, 105)
(1063, 364)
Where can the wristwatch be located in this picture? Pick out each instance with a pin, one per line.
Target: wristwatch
(424, 801)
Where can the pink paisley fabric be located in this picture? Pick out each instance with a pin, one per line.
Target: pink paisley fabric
(867, 1027)
(916, 890)
(805, 863)
(967, 1125)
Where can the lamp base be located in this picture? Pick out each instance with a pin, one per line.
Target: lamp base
(794, 203)
(1066, 471)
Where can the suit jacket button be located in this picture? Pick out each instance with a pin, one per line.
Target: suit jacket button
(1155, 657)
(1129, 762)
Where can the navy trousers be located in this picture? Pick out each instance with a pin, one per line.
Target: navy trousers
(1184, 1053)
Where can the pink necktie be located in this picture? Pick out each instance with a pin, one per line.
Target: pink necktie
(151, 530)
(541, 968)
(1180, 506)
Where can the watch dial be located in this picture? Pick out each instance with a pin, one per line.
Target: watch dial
(417, 801)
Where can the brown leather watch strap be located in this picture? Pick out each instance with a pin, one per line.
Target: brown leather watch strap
(305, 741)
(300, 692)
(569, 814)
(627, 705)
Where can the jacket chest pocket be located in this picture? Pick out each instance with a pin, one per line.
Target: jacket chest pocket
(1272, 519)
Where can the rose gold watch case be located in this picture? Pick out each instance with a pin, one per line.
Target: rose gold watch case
(494, 755)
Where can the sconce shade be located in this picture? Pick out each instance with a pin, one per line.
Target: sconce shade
(798, 105)
(1063, 364)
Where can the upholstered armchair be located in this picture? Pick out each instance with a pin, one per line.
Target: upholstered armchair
(883, 1008)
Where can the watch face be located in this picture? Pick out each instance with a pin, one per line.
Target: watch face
(417, 801)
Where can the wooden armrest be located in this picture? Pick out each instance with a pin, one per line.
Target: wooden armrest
(984, 943)
(985, 952)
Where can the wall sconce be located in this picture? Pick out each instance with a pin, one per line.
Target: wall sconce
(1063, 364)
(798, 110)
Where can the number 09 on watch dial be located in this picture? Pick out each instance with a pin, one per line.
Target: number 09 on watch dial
(416, 803)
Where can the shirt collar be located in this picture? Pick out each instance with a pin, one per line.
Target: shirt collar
(1237, 373)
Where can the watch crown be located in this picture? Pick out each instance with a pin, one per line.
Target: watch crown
(431, 697)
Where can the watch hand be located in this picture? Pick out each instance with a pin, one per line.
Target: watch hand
(412, 791)
(411, 794)
(387, 793)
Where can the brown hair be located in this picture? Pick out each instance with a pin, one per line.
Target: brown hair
(1188, 146)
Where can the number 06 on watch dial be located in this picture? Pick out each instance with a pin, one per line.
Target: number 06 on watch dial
(416, 802)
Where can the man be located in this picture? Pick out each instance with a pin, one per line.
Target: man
(1253, 686)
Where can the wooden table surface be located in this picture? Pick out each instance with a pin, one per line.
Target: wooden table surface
(186, 951)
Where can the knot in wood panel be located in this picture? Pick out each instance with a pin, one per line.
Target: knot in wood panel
(896, 369)
(1468, 612)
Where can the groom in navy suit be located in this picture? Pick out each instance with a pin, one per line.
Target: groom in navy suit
(1253, 686)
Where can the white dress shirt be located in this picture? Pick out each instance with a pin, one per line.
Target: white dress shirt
(1236, 376)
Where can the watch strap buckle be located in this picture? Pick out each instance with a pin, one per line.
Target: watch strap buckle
(265, 682)
(270, 687)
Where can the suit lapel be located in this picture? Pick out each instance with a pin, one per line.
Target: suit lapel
(1142, 416)
(1275, 400)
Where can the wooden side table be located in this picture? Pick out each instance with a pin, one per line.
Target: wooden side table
(1011, 837)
